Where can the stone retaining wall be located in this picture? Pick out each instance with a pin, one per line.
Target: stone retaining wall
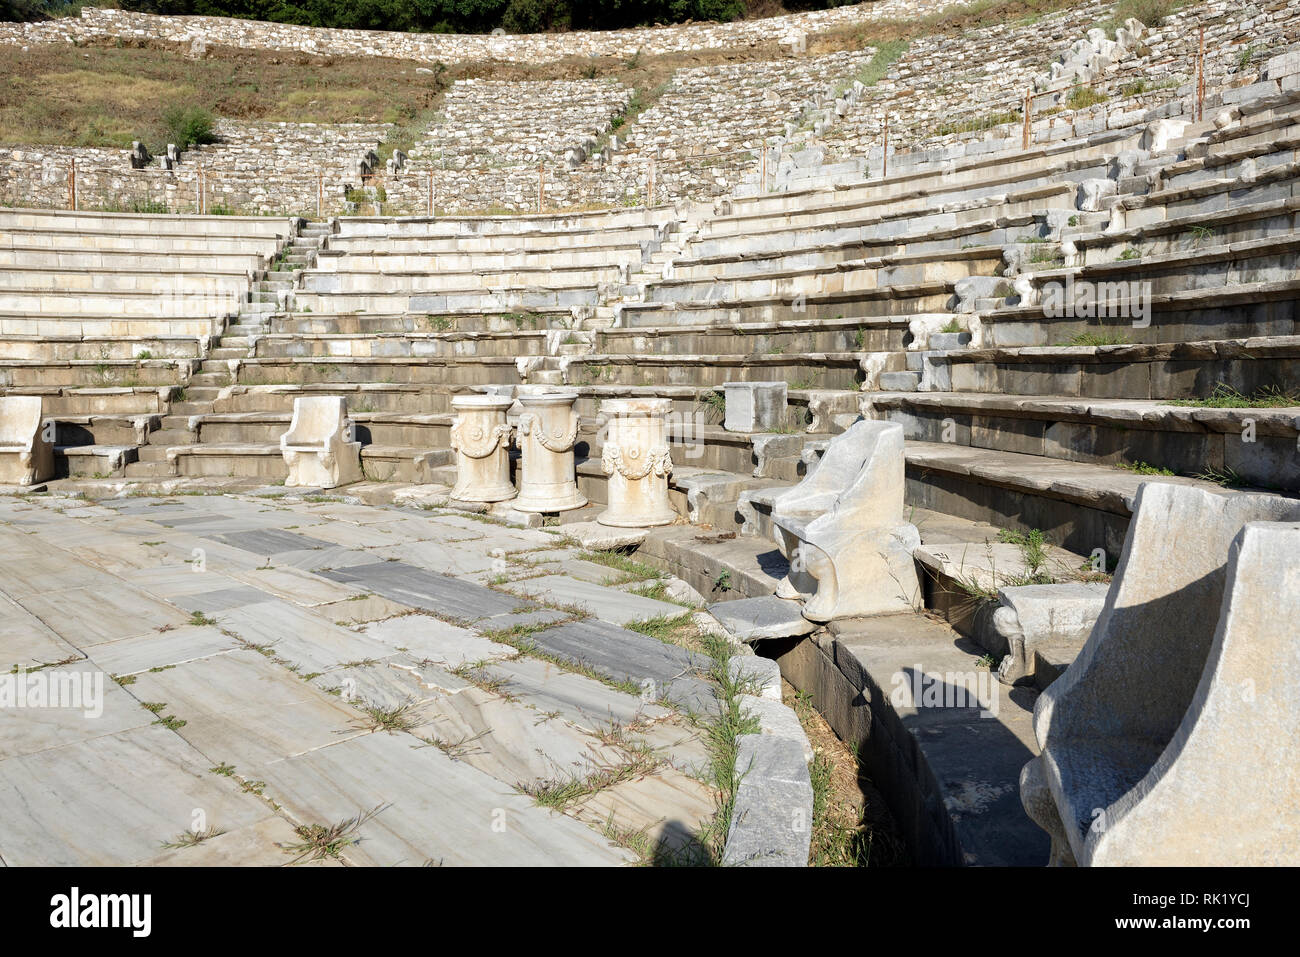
(258, 168)
(450, 48)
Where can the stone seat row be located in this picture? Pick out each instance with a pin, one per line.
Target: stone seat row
(146, 224)
(163, 261)
(170, 301)
(418, 336)
(986, 175)
(995, 220)
(641, 235)
(1122, 433)
(827, 370)
(70, 280)
(358, 281)
(468, 227)
(197, 323)
(456, 258)
(64, 348)
(112, 244)
(1176, 370)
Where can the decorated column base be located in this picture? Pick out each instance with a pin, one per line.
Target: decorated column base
(548, 428)
(637, 459)
(481, 439)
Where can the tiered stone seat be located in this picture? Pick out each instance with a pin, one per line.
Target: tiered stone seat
(1026, 427)
(950, 97)
(103, 315)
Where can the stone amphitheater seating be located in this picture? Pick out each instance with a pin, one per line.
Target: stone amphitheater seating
(103, 315)
(703, 144)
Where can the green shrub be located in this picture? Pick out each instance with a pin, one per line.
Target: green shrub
(1082, 97)
(1150, 12)
(188, 126)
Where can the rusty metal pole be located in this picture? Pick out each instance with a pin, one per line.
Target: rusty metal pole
(1029, 105)
(1200, 79)
(884, 153)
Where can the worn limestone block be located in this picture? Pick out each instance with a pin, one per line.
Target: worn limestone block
(766, 616)
(26, 446)
(754, 406)
(771, 821)
(1038, 615)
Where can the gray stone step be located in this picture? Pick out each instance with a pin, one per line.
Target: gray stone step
(949, 767)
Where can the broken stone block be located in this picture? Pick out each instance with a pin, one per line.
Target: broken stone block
(793, 44)
(1171, 739)
(1038, 615)
(1161, 133)
(754, 406)
(1092, 192)
(26, 444)
(842, 529)
(319, 448)
(753, 619)
(139, 155)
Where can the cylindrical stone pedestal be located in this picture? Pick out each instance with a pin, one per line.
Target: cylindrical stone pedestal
(638, 462)
(548, 427)
(481, 440)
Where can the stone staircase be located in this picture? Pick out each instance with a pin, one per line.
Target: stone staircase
(269, 292)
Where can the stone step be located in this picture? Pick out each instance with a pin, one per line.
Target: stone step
(1135, 433)
(390, 463)
(93, 461)
(169, 436)
(152, 453)
(192, 406)
(1234, 311)
(212, 379)
(1179, 370)
(947, 764)
(232, 461)
(1078, 506)
(145, 470)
